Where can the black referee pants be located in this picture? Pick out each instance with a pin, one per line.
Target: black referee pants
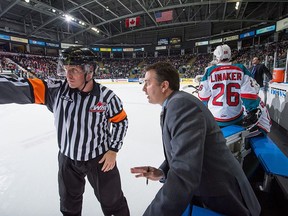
(106, 185)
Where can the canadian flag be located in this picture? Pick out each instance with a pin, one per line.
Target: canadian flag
(131, 22)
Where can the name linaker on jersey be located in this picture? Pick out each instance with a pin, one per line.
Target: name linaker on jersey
(225, 76)
(99, 107)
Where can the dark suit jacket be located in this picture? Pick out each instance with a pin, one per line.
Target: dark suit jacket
(198, 162)
(260, 70)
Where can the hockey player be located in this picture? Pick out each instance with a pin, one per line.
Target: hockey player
(229, 89)
(91, 124)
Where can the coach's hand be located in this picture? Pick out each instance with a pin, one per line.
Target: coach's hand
(148, 172)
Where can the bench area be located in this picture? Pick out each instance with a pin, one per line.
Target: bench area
(235, 136)
(199, 211)
(273, 161)
(271, 158)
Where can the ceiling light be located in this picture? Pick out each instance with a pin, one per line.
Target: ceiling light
(237, 5)
(95, 29)
(68, 18)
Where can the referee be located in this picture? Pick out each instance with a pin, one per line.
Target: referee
(91, 125)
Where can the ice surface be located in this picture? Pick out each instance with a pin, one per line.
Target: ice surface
(28, 157)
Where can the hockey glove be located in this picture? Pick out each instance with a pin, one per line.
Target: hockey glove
(251, 119)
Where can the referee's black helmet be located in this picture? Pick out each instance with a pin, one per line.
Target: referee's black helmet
(77, 56)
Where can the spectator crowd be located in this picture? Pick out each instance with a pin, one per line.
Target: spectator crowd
(188, 65)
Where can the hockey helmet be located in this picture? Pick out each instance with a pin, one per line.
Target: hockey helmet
(222, 52)
(77, 56)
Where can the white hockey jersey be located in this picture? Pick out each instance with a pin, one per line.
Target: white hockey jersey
(227, 88)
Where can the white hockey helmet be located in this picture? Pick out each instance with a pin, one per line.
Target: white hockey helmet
(222, 52)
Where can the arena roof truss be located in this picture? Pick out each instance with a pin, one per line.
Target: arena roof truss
(104, 21)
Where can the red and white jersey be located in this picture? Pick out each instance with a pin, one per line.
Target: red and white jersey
(264, 121)
(226, 87)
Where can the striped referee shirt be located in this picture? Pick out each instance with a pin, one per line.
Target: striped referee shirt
(88, 124)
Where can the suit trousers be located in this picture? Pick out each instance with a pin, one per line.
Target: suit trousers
(106, 185)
